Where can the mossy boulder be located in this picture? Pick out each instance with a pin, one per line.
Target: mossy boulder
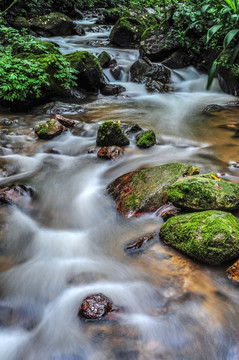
(209, 236)
(144, 191)
(36, 48)
(53, 24)
(48, 129)
(112, 15)
(127, 31)
(146, 139)
(142, 72)
(204, 192)
(110, 133)
(104, 59)
(89, 76)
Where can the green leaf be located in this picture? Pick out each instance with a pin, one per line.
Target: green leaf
(229, 37)
(234, 54)
(212, 31)
(232, 5)
(211, 74)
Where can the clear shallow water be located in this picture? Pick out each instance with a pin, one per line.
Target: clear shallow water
(71, 245)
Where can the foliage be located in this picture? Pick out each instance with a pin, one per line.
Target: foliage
(26, 74)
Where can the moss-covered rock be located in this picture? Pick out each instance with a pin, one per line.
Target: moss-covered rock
(110, 133)
(209, 236)
(89, 76)
(48, 129)
(112, 15)
(104, 59)
(53, 24)
(145, 190)
(127, 31)
(204, 192)
(146, 139)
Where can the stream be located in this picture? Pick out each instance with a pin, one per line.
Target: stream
(70, 243)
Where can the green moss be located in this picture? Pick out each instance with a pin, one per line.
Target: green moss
(204, 193)
(146, 139)
(48, 126)
(84, 60)
(146, 190)
(110, 133)
(48, 21)
(210, 236)
(130, 28)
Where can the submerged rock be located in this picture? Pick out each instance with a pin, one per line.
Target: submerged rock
(209, 236)
(112, 89)
(146, 139)
(213, 108)
(157, 86)
(145, 190)
(110, 152)
(95, 307)
(20, 195)
(110, 133)
(49, 129)
(138, 245)
(204, 192)
(59, 107)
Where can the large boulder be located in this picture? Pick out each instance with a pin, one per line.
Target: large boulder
(156, 45)
(110, 133)
(204, 192)
(112, 15)
(89, 71)
(53, 24)
(144, 191)
(142, 72)
(209, 236)
(127, 31)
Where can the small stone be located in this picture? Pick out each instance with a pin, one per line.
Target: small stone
(95, 307)
(115, 72)
(79, 30)
(110, 152)
(112, 89)
(139, 244)
(63, 121)
(213, 108)
(110, 133)
(104, 59)
(49, 129)
(146, 139)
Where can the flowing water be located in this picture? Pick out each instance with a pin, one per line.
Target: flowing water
(70, 242)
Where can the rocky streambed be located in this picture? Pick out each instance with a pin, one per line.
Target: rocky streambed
(88, 271)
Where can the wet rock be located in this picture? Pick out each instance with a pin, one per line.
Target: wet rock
(89, 76)
(112, 89)
(228, 76)
(49, 129)
(58, 107)
(157, 46)
(233, 272)
(146, 139)
(127, 31)
(63, 121)
(204, 192)
(20, 195)
(79, 30)
(139, 245)
(178, 60)
(141, 72)
(95, 307)
(168, 210)
(112, 15)
(213, 108)
(110, 152)
(110, 133)
(115, 72)
(157, 86)
(209, 236)
(104, 59)
(145, 190)
(133, 129)
(53, 24)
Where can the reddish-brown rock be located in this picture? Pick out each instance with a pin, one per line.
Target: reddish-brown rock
(63, 121)
(95, 307)
(110, 152)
